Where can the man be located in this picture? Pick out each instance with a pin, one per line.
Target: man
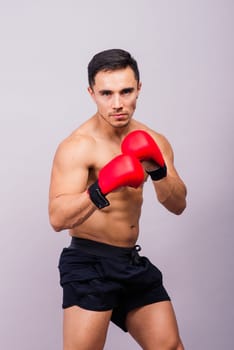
(96, 193)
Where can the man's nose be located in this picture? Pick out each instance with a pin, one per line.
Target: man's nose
(117, 102)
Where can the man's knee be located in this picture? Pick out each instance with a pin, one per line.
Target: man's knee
(171, 343)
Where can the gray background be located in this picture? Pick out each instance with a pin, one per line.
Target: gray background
(185, 54)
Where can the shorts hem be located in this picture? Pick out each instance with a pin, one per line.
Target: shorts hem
(88, 308)
(140, 305)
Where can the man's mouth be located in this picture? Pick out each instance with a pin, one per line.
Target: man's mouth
(118, 115)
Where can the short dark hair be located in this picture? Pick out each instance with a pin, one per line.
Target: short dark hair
(109, 60)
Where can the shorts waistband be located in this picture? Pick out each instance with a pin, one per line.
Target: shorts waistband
(104, 249)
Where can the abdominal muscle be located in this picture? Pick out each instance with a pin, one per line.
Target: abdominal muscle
(117, 224)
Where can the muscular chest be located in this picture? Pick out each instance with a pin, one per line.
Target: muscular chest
(102, 154)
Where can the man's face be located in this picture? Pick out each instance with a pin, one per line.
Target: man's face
(115, 94)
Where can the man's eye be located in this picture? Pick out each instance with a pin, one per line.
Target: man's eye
(106, 93)
(126, 91)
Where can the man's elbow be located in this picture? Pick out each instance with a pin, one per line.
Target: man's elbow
(56, 227)
(175, 208)
(55, 222)
(178, 210)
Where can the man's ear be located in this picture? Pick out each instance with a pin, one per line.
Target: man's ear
(90, 91)
(139, 88)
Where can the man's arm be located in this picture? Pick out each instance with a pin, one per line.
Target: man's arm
(156, 155)
(171, 190)
(69, 202)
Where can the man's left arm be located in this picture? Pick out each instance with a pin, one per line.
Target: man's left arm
(171, 190)
(156, 155)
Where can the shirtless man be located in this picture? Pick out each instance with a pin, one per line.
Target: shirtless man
(96, 190)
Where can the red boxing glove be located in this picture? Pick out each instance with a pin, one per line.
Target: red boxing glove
(143, 146)
(123, 170)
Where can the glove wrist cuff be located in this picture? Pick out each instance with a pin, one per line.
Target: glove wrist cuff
(158, 174)
(97, 197)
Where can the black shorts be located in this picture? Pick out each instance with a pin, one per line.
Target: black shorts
(100, 277)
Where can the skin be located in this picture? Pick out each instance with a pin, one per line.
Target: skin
(76, 165)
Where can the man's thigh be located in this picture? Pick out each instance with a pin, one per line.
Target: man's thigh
(154, 326)
(85, 329)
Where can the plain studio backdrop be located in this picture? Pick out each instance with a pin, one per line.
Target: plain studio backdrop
(185, 53)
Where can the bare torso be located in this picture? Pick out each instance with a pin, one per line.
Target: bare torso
(117, 224)
(76, 166)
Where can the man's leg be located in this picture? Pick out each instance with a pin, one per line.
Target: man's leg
(154, 327)
(84, 329)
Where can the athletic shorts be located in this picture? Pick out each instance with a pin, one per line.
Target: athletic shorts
(100, 277)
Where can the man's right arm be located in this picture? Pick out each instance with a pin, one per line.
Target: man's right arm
(69, 202)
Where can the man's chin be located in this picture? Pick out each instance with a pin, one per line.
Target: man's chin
(120, 124)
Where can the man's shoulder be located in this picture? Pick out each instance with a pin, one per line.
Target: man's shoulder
(81, 136)
(161, 139)
(136, 125)
(76, 145)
